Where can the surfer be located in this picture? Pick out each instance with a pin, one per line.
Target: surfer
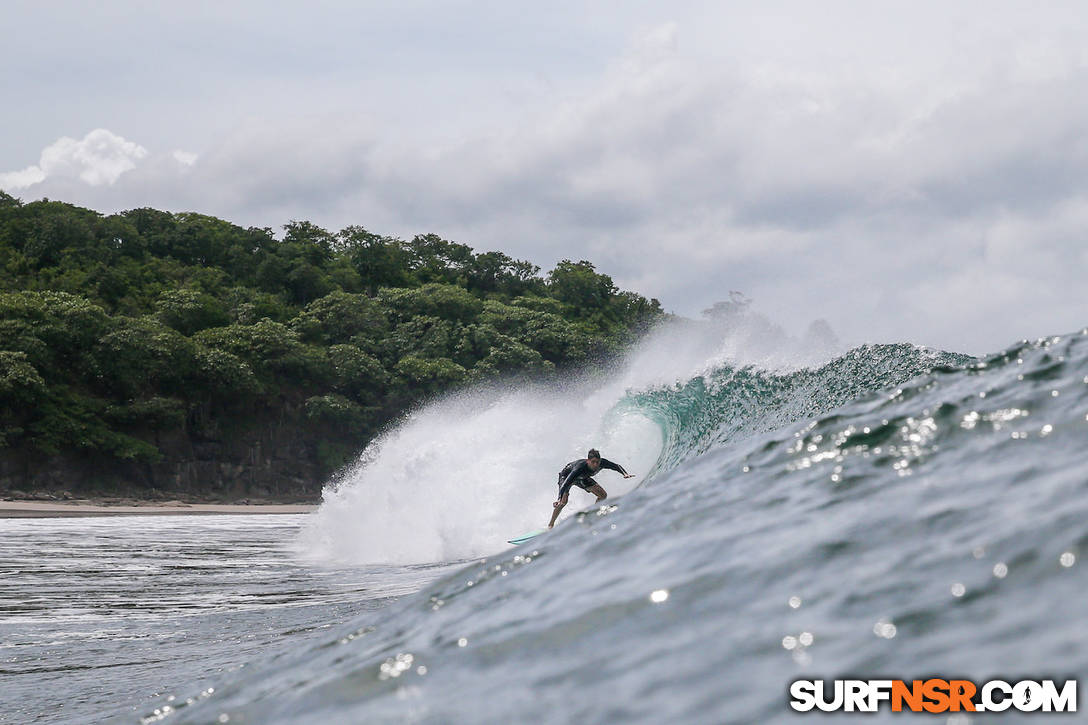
(580, 473)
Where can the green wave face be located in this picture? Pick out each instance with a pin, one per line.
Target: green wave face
(733, 403)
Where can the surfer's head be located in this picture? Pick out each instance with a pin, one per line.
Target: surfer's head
(594, 458)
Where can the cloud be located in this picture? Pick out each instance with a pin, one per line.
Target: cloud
(185, 158)
(100, 158)
(16, 180)
(945, 207)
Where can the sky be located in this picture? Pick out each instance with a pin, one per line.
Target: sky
(907, 171)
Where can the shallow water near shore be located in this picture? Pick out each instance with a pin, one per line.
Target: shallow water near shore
(103, 617)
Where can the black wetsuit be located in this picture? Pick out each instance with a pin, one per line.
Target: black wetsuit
(577, 473)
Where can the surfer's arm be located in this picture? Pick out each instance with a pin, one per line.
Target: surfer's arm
(564, 490)
(605, 463)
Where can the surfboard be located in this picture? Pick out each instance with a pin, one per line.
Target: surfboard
(525, 537)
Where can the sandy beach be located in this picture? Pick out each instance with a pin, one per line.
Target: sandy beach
(76, 507)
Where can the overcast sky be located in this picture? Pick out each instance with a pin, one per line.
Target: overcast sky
(910, 171)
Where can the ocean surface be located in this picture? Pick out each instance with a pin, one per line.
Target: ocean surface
(888, 512)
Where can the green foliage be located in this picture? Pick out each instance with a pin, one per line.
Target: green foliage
(189, 311)
(378, 261)
(272, 350)
(580, 287)
(118, 330)
(54, 329)
(332, 454)
(426, 336)
(554, 338)
(357, 374)
(634, 312)
(68, 421)
(494, 272)
(264, 345)
(474, 344)
(335, 410)
(21, 389)
(247, 306)
(428, 377)
(20, 383)
(339, 317)
(509, 357)
(433, 259)
(155, 413)
(539, 304)
(443, 301)
(224, 374)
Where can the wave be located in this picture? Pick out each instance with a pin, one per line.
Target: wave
(893, 511)
(458, 477)
(729, 403)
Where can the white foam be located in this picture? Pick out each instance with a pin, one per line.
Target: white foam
(460, 476)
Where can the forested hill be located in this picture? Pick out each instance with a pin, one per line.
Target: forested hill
(159, 354)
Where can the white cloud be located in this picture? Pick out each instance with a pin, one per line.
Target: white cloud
(16, 180)
(99, 158)
(185, 158)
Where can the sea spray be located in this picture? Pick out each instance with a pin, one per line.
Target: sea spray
(459, 476)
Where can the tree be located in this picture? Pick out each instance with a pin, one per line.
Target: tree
(356, 374)
(581, 287)
(433, 259)
(269, 348)
(52, 229)
(428, 377)
(22, 389)
(444, 301)
(494, 272)
(340, 316)
(224, 375)
(141, 356)
(189, 311)
(556, 339)
(379, 261)
(427, 336)
(54, 328)
(635, 312)
(314, 244)
(335, 410)
(507, 357)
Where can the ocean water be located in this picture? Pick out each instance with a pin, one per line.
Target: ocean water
(889, 512)
(113, 616)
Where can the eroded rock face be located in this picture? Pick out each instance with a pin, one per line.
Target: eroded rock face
(274, 464)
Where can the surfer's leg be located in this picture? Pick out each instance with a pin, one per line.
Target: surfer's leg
(599, 492)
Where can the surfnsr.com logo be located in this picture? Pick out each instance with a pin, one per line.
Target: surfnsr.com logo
(933, 695)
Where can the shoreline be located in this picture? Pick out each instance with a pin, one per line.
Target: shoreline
(89, 507)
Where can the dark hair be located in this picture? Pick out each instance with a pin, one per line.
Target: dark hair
(593, 453)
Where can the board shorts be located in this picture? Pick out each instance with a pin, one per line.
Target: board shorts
(583, 483)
